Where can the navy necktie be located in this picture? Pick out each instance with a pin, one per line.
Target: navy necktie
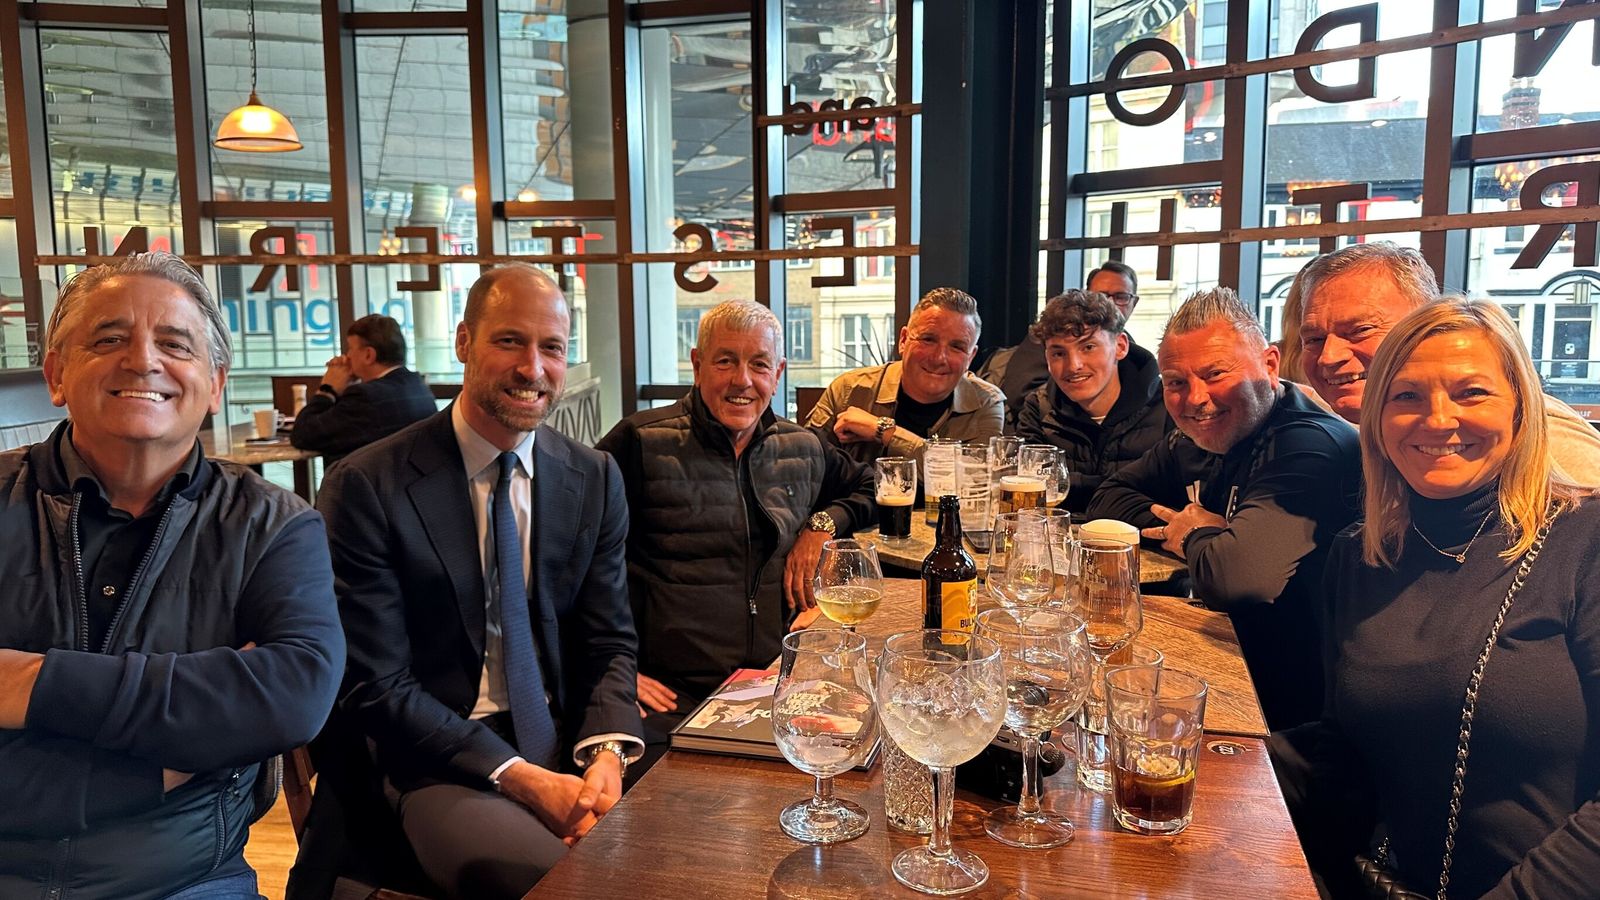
(530, 711)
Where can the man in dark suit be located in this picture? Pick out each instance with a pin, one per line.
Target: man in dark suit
(478, 687)
(366, 394)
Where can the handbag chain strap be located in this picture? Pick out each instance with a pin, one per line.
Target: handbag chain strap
(1470, 706)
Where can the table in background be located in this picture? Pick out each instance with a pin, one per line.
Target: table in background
(1155, 566)
(699, 825)
(239, 449)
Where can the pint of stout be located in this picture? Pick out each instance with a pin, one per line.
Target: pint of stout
(1019, 492)
(894, 516)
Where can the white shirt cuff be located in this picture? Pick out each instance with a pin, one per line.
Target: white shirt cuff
(494, 777)
(633, 745)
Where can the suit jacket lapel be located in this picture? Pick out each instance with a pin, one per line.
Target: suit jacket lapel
(557, 494)
(442, 501)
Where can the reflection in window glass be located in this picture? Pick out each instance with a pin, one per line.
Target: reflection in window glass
(555, 102)
(584, 285)
(289, 64)
(1553, 303)
(845, 327)
(406, 6)
(841, 51)
(5, 149)
(1560, 93)
(113, 157)
(1194, 266)
(697, 169)
(416, 171)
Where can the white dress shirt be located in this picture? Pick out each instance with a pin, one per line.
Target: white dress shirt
(481, 461)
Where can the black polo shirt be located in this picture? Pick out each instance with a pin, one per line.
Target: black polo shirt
(111, 542)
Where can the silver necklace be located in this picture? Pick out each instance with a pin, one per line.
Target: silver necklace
(1458, 557)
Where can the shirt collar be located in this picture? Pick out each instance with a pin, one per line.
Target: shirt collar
(83, 480)
(478, 454)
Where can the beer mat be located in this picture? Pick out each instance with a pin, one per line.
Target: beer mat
(736, 720)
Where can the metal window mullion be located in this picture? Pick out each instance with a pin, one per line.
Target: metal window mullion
(344, 155)
(1244, 148)
(768, 162)
(1452, 107)
(30, 159)
(627, 160)
(1069, 143)
(907, 157)
(488, 149)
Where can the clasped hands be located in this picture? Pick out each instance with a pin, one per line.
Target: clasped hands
(567, 804)
(1179, 522)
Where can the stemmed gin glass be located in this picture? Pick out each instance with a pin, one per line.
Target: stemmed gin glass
(1046, 665)
(942, 697)
(825, 722)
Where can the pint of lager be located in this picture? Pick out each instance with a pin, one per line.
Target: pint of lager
(1019, 492)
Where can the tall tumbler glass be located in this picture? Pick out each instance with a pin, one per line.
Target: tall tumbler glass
(1094, 749)
(938, 475)
(1156, 718)
(942, 698)
(1047, 675)
(972, 484)
(824, 719)
(896, 493)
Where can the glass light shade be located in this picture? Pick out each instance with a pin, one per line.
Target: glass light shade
(256, 128)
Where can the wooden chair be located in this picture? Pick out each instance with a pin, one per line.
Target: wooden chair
(805, 400)
(283, 390)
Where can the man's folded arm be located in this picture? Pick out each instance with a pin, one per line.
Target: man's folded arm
(218, 707)
(380, 692)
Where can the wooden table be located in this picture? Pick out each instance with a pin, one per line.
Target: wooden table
(699, 825)
(238, 448)
(1155, 565)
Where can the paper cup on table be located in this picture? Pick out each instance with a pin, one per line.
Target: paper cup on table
(266, 423)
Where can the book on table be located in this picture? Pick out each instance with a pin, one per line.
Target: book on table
(736, 720)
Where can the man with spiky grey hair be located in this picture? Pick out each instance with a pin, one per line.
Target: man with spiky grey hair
(1250, 491)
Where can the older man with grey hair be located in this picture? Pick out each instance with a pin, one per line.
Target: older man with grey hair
(729, 506)
(1250, 491)
(167, 621)
(1353, 296)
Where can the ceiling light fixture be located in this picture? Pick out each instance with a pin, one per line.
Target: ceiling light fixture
(256, 127)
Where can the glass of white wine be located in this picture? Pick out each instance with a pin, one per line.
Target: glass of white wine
(1046, 665)
(825, 721)
(942, 698)
(849, 581)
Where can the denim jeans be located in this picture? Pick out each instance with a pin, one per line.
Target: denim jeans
(233, 887)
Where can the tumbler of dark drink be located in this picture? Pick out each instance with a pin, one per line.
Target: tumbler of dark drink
(897, 491)
(1156, 716)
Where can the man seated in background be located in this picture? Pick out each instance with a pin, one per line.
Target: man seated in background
(1102, 404)
(167, 621)
(366, 394)
(479, 562)
(729, 506)
(892, 409)
(1353, 296)
(1250, 491)
(1020, 370)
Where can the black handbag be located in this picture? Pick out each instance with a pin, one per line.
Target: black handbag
(1378, 880)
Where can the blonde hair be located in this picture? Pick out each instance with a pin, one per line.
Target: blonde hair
(1531, 493)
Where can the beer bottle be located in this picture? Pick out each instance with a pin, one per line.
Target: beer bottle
(949, 576)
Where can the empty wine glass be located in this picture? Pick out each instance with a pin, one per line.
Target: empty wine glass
(1063, 550)
(1107, 595)
(849, 581)
(1046, 664)
(824, 720)
(942, 698)
(1021, 570)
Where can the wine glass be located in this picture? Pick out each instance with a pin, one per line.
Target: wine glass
(1107, 595)
(1012, 580)
(1046, 663)
(824, 721)
(849, 581)
(1063, 550)
(942, 698)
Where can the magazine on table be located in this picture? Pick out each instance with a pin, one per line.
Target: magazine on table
(736, 720)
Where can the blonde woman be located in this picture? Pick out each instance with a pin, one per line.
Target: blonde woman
(1461, 502)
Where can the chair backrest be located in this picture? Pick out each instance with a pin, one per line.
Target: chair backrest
(283, 390)
(805, 399)
(26, 414)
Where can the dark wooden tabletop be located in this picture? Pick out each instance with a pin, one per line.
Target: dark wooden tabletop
(700, 825)
(1154, 565)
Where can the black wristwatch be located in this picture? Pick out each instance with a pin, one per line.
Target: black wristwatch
(326, 388)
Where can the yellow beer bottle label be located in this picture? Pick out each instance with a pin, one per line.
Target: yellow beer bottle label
(957, 611)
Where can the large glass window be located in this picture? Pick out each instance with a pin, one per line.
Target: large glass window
(555, 103)
(113, 155)
(289, 78)
(841, 53)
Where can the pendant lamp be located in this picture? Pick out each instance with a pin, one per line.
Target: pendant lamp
(256, 127)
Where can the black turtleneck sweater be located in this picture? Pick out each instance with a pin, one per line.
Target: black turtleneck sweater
(1402, 644)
